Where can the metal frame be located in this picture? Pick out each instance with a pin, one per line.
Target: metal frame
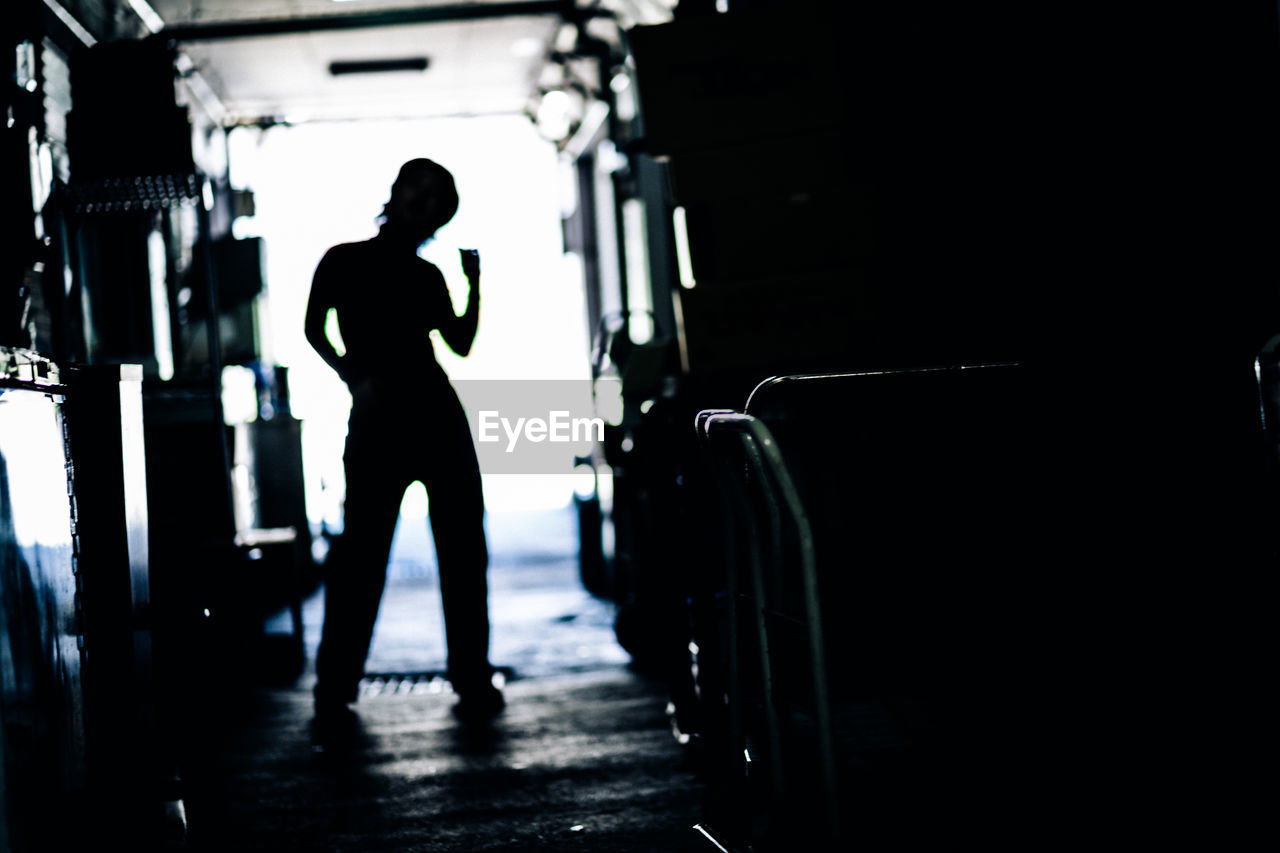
(767, 467)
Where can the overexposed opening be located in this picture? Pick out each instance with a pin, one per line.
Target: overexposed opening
(317, 185)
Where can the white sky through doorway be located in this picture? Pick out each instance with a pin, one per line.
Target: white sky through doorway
(320, 184)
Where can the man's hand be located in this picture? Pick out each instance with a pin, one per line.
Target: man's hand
(460, 332)
(471, 265)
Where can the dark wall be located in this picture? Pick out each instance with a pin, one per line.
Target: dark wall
(1096, 191)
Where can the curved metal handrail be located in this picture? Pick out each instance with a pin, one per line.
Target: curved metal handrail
(764, 458)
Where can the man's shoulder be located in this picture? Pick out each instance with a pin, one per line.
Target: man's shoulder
(429, 268)
(348, 257)
(348, 249)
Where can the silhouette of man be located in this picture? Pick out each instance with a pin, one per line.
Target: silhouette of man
(406, 424)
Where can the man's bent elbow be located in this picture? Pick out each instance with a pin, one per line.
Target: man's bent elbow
(316, 341)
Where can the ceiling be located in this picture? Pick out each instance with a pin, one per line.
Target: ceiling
(270, 60)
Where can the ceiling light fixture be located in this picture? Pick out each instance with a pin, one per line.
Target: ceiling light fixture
(147, 15)
(377, 66)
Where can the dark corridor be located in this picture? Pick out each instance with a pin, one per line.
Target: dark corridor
(583, 757)
(935, 354)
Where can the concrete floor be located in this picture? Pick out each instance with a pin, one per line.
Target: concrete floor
(583, 757)
(542, 620)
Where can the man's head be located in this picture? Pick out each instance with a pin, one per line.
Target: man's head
(423, 199)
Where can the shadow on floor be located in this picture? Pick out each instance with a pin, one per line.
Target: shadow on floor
(582, 757)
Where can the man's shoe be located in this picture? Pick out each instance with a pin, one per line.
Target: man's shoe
(479, 703)
(334, 723)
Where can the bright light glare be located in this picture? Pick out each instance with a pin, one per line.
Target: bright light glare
(604, 483)
(239, 395)
(639, 288)
(161, 333)
(242, 156)
(322, 184)
(35, 468)
(150, 19)
(553, 114)
(521, 492)
(526, 48)
(414, 505)
(683, 257)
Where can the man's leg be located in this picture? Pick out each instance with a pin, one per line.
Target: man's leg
(354, 581)
(457, 525)
(456, 504)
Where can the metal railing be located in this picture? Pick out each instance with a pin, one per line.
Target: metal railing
(720, 430)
